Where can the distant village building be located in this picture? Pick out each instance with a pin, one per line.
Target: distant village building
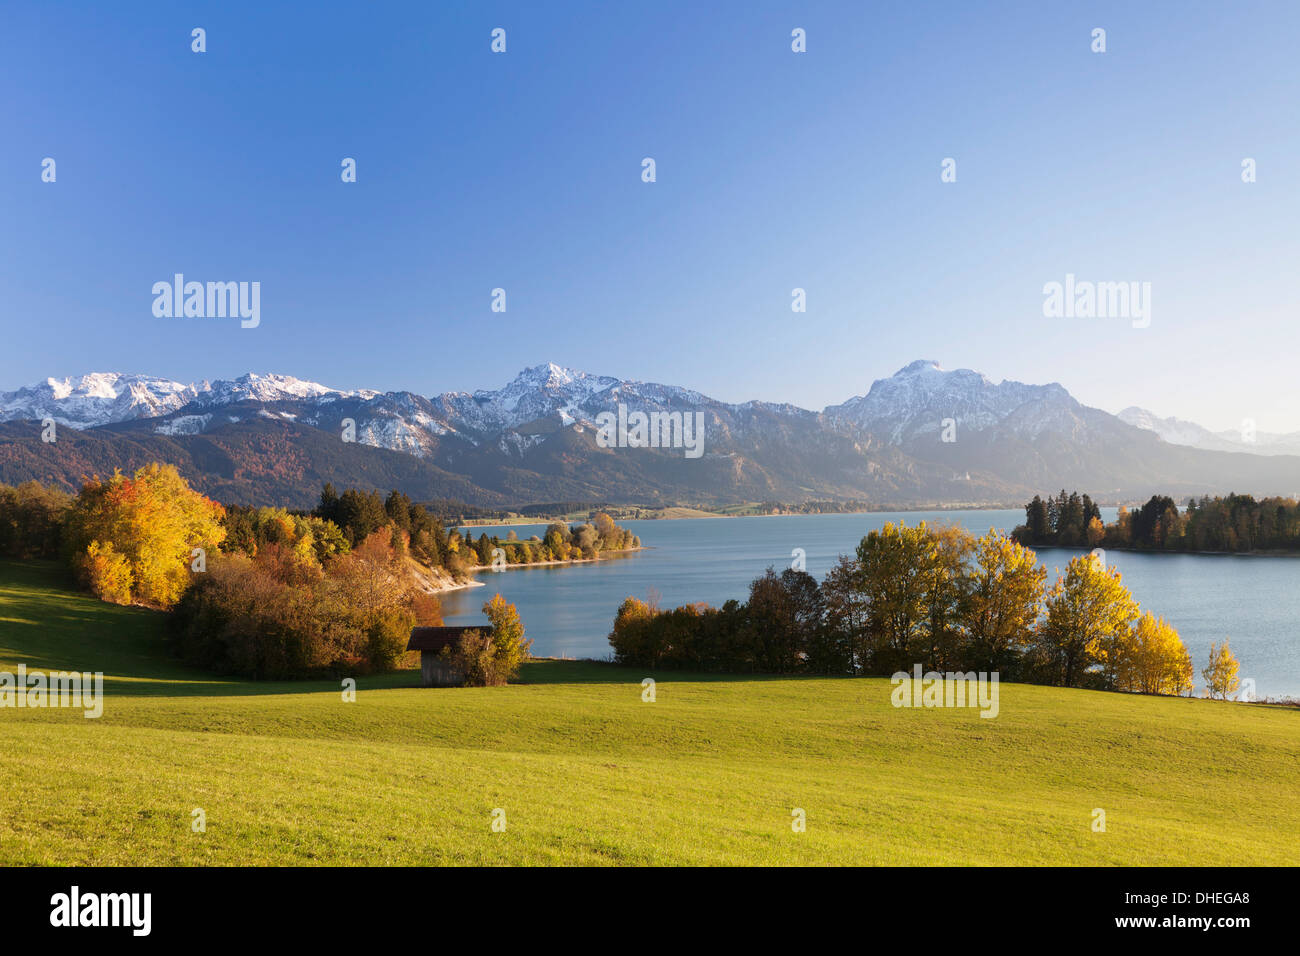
(436, 668)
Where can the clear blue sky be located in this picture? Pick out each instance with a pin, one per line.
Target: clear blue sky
(775, 170)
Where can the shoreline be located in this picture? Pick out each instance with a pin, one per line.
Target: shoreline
(518, 522)
(489, 569)
(1083, 549)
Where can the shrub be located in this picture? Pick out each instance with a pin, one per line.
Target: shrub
(280, 616)
(493, 659)
(475, 658)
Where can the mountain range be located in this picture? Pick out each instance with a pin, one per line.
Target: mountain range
(923, 436)
(1244, 438)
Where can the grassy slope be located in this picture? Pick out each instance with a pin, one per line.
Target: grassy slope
(587, 773)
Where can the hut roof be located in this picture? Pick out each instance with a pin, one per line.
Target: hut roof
(436, 638)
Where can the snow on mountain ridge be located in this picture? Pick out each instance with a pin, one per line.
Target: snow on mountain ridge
(105, 398)
(909, 405)
(1173, 430)
(99, 398)
(269, 388)
(1176, 431)
(916, 399)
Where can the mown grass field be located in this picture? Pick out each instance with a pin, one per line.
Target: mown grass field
(589, 774)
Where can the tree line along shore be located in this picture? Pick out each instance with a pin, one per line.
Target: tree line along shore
(1231, 524)
(934, 597)
(268, 593)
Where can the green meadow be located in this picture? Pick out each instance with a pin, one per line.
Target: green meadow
(587, 773)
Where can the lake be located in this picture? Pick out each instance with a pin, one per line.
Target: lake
(568, 610)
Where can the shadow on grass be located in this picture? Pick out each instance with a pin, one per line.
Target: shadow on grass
(48, 626)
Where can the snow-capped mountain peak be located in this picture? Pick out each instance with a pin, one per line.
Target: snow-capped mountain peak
(919, 367)
(98, 398)
(265, 388)
(554, 379)
(105, 398)
(1173, 430)
(908, 407)
(548, 375)
(916, 399)
(531, 437)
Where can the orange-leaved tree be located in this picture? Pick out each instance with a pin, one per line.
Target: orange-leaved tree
(133, 540)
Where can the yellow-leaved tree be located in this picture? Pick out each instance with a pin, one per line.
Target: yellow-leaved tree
(1089, 612)
(1002, 604)
(898, 567)
(132, 540)
(1221, 674)
(493, 659)
(1153, 660)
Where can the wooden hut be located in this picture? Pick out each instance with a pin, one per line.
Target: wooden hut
(436, 669)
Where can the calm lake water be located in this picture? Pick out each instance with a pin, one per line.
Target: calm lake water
(567, 611)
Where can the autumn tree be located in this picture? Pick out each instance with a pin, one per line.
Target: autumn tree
(584, 539)
(895, 563)
(107, 573)
(153, 521)
(31, 520)
(785, 616)
(1153, 659)
(310, 539)
(848, 614)
(557, 540)
(375, 587)
(607, 532)
(1088, 611)
(946, 596)
(1120, 532)
(494, 658)
(1004, 600)
(630, 636)
(279, 615)
(1221, 672)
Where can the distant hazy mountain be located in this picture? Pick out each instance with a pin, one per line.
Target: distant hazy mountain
(912, 404)
(1244, 439)
(275, 439)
